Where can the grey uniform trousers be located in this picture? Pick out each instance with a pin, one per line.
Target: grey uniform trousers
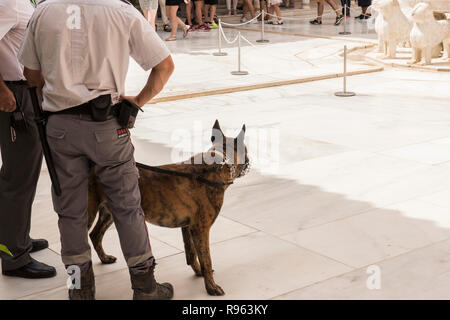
(77, 143)
(21, 165)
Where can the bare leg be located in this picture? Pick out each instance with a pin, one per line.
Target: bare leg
(320, 7)
(189, 12)
(175, 21)
(278, 12)
(251, 8)
(212, 12)
(198, 12)
(152, 17)
(334, 6)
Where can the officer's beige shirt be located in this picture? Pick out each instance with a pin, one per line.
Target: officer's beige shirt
(82, 48)
(14, 16)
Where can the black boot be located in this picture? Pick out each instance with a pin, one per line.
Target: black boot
(145, 286)
(87, 284)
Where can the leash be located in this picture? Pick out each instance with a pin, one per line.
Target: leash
(185, 175)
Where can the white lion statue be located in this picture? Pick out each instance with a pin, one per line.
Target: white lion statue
(392, 26)
(427, 33)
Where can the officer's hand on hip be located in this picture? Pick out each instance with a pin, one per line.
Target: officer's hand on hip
(135, 100)
(7, 100)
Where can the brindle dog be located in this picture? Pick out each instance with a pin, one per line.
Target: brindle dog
(190, 203)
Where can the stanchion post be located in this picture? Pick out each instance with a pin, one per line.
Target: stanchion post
(345, 93)
(345, 32)
(219, 31)
(262, 40)
(239, 72)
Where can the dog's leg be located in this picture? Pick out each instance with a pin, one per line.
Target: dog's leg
(191, 254)
(105, 220)
(201, 242)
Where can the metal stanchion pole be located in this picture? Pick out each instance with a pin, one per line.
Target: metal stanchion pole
(345, 22)
(262, 40)
(239, 72)
(219, 31)
(345, 93)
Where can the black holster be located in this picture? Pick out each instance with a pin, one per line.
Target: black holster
(127, 114)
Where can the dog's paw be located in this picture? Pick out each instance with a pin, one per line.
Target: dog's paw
(215, 290)
(108, 259)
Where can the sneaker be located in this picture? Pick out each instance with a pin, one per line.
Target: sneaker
(254, 21)
(339, 20)
(243, 20)
(203, 28)
(316, 22)
(367, 16)
(213, 25)
(193, 28)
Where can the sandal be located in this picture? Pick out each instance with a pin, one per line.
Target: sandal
(186, 31)
(167, 28)
(171, 38)
(280, 22)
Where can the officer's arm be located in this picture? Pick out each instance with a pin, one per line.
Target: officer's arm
(7, 100)
(35, 79)
(157, 79)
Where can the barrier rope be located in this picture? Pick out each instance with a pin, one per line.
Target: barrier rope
(241, 24)
(225, 37)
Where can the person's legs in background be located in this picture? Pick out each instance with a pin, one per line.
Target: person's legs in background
(364, 4)
(165, 20)
(346, 7)
(210, 12)
(248, 6)
(175, 21)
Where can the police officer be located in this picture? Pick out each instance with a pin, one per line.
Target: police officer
(78, 53)
(20, 149)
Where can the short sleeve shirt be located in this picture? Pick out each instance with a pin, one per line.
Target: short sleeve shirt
(14, 16)
(82, 48)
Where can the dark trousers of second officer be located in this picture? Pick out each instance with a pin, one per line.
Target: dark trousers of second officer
(21, 165)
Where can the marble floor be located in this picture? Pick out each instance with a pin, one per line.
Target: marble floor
(338, 186)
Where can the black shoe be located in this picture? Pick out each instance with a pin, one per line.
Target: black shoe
(316, 21)
(33, 270)
(339, 20)
(38, 245)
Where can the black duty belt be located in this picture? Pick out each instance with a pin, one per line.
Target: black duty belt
(18, 82)
(86, 108)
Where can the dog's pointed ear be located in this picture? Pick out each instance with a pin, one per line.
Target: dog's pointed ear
(216, 131)
(241, 134)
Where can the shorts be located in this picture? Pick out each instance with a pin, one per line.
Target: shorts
(364, 3)
(211, 2)
(148, 4)
(173, 2)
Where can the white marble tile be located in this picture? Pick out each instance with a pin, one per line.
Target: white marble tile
(420, 274)
(440, 198)
(255, 266)
(429, 153)
(378, 234)
(14, 288)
